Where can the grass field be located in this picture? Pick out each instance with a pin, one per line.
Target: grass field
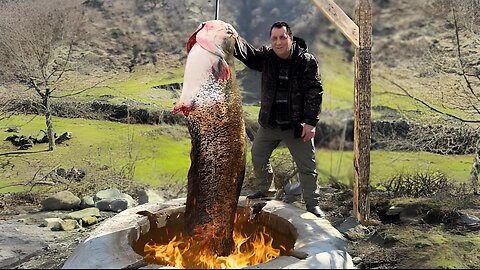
(384, 165)
(336, 74)
(156, 155)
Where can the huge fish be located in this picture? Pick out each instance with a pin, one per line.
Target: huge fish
(211, 101)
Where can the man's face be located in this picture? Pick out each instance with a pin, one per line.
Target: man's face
(281, 42)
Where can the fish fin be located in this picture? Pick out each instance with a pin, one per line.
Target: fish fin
(193, 38)
(221, 70)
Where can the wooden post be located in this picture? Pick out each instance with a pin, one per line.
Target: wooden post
(361, 108)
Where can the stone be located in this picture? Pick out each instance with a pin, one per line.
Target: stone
(89, 221)
(75, 173)
(114, 205)
(107, 194)
(61, 172)
(394, 210)
(149, 196)
(87, 202)
(293, 189)
(118, 205)
(87, 212)
(69, 225)
(469, 220)
(112, 194)
(64, 137)
(348, 224)
(63, 200)
(357, 233)
(103, 205)
(13, 129)
(52, 223)
(142, 197)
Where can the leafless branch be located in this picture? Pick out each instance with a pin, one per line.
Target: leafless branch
(428, 105)
(81, 91)
(37, 89)
(64, 64)
(460, 58)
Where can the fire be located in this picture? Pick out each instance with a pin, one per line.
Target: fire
(182, 252)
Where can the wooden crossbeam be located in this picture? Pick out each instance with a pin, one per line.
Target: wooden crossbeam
(341, 20)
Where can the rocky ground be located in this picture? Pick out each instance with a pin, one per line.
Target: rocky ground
(383, 244)
(27, 245)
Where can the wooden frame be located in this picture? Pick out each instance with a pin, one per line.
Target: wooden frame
(360, 35)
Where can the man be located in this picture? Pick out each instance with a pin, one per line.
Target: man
(291, 98)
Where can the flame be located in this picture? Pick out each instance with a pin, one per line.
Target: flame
(182, 252)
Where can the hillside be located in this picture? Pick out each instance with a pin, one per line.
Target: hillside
(138, 46)
(423, 51)
(414, 44)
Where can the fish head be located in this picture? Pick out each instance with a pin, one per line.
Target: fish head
(216, 36)
(209, 48)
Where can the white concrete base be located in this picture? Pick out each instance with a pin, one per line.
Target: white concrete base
(319, 245)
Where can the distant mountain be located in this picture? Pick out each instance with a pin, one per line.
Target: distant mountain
(407, 34)
(125, 33)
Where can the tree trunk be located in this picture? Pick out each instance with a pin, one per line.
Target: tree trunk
(475, 169)
(48, 119)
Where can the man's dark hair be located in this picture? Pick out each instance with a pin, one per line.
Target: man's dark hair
(280, 25)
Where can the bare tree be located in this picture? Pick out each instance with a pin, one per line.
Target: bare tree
(37, 38)
(455, 69)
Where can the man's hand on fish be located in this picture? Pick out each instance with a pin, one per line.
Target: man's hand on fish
(308, 132)
(231, 30)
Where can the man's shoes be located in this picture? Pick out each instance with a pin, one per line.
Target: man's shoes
(315, 209)
(256, 195)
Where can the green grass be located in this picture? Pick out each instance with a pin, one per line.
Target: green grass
(384, 165)
(251, 112)
(436, 249)
(336, 73)
(159, 153)
(338, 81)
(137, 87)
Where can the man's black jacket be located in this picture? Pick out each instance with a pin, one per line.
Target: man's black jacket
(305, 86)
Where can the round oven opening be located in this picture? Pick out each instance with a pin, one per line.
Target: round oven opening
(258, 238)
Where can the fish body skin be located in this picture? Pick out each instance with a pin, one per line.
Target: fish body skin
(212, 101)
